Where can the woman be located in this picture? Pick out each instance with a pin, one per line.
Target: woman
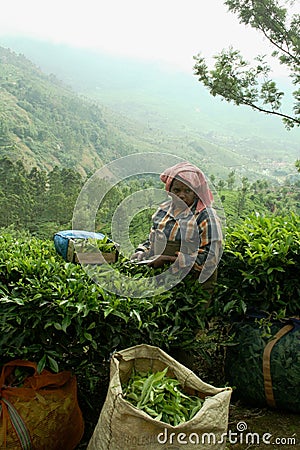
(188, 224)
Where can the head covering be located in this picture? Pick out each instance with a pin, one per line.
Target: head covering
(194, 177)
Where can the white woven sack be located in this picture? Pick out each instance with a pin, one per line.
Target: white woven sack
(122, 426)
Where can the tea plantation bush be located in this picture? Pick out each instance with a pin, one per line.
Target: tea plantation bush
(54, 314)
(52, 310)
(260, 267)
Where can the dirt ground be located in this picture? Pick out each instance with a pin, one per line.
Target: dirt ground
(266, 429)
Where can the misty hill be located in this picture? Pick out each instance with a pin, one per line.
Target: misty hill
(161, 97)
(159, 109)
(45, 123)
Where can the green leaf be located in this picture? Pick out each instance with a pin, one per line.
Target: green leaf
(41, 364)
(88, 336)
(65, 323)
(52, 364)
(108, 311)
(229, 306)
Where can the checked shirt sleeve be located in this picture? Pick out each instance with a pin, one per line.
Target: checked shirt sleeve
(210, 234)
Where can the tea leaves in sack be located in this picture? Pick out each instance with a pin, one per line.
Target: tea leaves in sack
(161, 397)
(122, 425)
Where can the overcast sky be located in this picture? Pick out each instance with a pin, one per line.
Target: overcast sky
(168, 30)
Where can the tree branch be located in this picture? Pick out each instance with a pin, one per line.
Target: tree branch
(267, 111)
(286, 51)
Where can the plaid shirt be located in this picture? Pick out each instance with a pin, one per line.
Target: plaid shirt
(198, 233)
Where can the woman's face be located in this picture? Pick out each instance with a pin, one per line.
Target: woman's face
(182, 191)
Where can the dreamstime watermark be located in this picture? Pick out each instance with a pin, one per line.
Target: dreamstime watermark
(239, 436)
(92, 199)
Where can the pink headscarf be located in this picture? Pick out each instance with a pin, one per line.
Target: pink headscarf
(194, 177)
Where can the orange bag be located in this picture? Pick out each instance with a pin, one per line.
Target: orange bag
(43, 414)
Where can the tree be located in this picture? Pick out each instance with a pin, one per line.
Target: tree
(231, 179)
(242, 195)
(64, 185)
(15, 195)
(234, 79)
(221, 184)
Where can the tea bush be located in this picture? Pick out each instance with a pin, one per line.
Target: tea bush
(51, 308)
(53, 312)
(260, 267)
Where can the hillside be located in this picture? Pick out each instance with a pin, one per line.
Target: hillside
(153, 97)
(45, 123)
(97, 117)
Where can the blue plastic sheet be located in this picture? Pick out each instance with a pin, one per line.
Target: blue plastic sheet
(62, 238)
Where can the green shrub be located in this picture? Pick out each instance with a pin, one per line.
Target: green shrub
(260, 267)
(52, 311)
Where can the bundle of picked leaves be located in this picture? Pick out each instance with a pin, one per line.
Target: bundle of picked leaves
(160, 396)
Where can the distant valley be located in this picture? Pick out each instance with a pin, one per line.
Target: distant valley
(147, 107)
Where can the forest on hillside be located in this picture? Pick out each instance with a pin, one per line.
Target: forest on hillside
(45, 123)
(42, 202)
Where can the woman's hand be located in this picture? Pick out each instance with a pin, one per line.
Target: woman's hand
(138, 256)
(161, 260)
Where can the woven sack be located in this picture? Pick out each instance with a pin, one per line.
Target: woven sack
(42, 414)
(122, 426)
